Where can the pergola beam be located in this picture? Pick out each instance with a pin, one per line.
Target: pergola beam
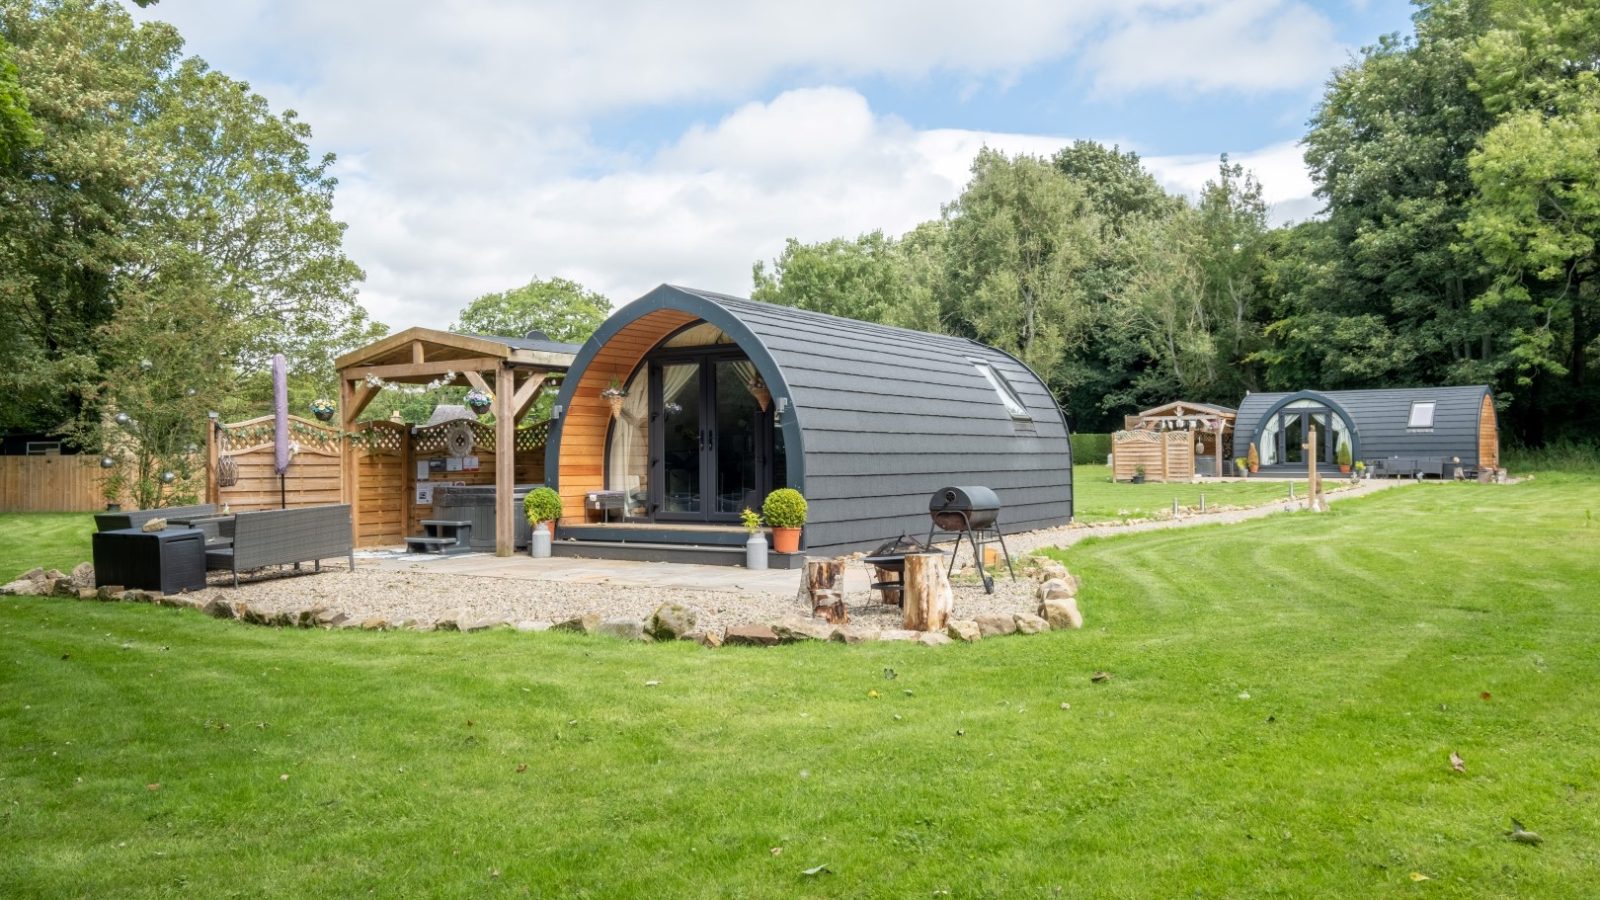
(476, 380)
(403, 371)
(527, 394)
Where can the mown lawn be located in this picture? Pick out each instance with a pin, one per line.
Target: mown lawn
(52, 540)
(1096, 498)
(1284, 698)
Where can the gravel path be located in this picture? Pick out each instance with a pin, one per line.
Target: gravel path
(424, 598)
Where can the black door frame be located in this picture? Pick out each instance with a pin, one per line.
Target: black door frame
(707, 357)
(1322, 417)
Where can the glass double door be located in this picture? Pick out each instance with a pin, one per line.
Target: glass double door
(712, 452)
(1296, 426)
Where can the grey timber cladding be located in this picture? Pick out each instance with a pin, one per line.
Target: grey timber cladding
(1379, 419)
(887, 416)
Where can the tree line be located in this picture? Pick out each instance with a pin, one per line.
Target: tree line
(1460, 175)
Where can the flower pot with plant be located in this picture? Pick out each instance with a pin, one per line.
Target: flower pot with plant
(479, 401)
(1341, 455)
(542, 507)
(755, 549)
(785, 510)
(1138, 475)
(614, 394)
(759, 390)
(1361, 470)
(1242, 466)
(323, 409)
(1253, 459)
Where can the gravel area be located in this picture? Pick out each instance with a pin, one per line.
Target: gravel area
(426, 598)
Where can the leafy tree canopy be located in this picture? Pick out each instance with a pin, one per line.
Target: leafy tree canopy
(564, 310)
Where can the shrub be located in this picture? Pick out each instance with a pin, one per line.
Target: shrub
(1254, 458)
(1090, 449)
(1242, 464)
(751, 520)
(1341, 454)
(784, 508)
(542, 505)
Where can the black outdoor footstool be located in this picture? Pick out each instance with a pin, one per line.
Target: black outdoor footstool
(168, 561)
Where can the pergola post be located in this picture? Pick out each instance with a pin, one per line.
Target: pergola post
(505, 462)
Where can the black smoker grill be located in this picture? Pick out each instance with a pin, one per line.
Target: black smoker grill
(972, 511)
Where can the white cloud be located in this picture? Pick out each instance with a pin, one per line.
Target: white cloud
(1255, 45)
(468, 161)
(811, 164)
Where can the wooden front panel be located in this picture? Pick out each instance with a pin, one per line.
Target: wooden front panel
(587, 419)
(380, 475)
(1165, 455)
(51, 483)
(1488, 435)
(314, 478)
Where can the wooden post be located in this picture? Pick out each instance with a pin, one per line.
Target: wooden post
(928, 597)
(349, 488)
(823, 588)
(213, 490)
(505, 461)
(408, 480)
(1311, 468)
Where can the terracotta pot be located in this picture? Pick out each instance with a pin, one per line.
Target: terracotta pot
(786, 540)
(1344, 470)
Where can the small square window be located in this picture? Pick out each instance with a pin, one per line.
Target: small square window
(1002, 388)
(1421, 414)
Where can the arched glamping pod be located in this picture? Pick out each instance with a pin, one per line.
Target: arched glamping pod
(726, 399)
(1405, 431)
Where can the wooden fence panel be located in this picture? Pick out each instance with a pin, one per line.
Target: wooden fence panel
(1165, 455)
(51, 483)
(314, 477)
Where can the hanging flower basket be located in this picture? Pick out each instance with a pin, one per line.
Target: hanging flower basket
(479, 401)
(614, 397)
(323, 409)
(759, 390)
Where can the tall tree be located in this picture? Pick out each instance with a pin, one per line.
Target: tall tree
(873, 277)
(1020, 235)
(564, 310)
(1536, 214)
(17, 130)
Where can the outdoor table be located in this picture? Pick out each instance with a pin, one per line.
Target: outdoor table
(168, 561)
(211, 526)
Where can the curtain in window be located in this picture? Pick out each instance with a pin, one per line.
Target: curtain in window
(628, 467)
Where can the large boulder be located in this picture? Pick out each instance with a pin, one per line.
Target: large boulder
(83, 575)
(588, 623)
(64, 587)
(623, 627)
(793, 629)
(964, 630)
(933, 639)
(1057, 589)
(853, 634)
(1061, 614)
(218, 608)
(531, 625)
(1028, 623)
(21, 586)
(109, 592)
(672, 621)
(34, 574)
(750, 636)
(996, 624)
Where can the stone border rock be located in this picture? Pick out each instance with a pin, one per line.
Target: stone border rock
(1057, 595)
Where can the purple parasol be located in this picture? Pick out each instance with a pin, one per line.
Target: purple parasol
(280, 415)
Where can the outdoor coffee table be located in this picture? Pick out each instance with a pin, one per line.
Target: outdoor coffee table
(168, 561)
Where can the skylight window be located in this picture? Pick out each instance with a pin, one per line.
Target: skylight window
(1421, 414)
(1002, 388)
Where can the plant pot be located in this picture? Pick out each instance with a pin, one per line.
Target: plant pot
(1254, 469)
(324, 416)
(479, 409)
(1344, 470)
(113, 507)
(762, 394)
(1137, 479)
(539, 542)
(786, 540)
(616, 404)
(755, 552)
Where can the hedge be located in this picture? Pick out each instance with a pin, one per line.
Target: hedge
(1090, 449)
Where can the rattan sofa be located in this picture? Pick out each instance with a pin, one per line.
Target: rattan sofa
(116, 521)
(276, 537)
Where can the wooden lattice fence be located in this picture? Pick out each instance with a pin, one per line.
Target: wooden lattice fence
(1165, 455)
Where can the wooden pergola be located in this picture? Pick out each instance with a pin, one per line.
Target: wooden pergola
(514, 370)
(1198, 418)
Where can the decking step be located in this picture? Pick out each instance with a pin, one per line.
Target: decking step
(448, 523)
(675, 553)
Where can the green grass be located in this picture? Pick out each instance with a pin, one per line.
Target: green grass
(52, 540)
(1096, 498)
(1364, 638)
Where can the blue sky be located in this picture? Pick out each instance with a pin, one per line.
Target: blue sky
(625, 143)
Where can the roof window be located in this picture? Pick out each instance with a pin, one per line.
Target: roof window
(1421, 414)
(1002, 388)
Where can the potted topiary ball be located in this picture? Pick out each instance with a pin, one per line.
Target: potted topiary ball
(785, 511)
(542, 506)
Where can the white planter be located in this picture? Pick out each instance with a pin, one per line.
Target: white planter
(539, 543)
(755, 551)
